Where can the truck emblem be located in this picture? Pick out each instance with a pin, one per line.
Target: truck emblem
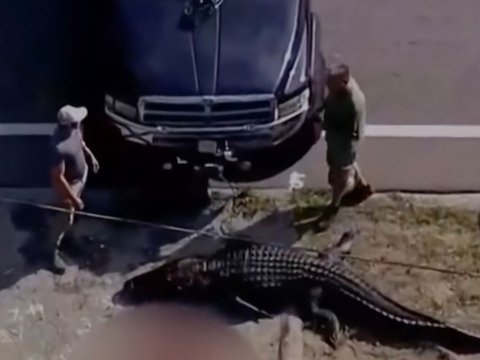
(207, 105)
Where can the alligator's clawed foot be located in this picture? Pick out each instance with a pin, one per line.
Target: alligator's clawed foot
(335, 339)
(325, 321)
(344, 245)
(333, 254)
(332, 335)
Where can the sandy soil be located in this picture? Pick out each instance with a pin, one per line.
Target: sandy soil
(43, 316)
(402, 231)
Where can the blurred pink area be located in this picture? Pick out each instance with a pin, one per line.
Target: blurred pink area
(166, 332)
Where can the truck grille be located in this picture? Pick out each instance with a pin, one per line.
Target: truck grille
(215, 111)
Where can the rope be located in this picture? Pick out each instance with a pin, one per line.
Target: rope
(222, 235)
(122, 219)
(412, 266)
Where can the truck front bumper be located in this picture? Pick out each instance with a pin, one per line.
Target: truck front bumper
(288, 117)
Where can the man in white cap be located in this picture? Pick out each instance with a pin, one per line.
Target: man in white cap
(69, 170)
(344, 123)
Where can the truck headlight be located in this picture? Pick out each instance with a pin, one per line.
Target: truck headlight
(294, 106)
(121, 108)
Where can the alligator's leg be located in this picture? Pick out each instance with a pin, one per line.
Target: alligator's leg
(345, 243)
(343, 246)
(326, 318)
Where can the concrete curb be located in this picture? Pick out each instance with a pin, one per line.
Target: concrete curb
(460, 200)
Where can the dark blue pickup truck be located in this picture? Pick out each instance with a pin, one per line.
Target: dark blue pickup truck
(221, 80)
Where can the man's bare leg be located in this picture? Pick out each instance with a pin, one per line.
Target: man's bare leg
(343, 183)
(66, 223)
(361, 189)
(362, 184)
(59, 224)
(359, 178)
(77, 188)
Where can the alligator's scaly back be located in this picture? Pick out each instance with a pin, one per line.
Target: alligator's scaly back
(270, 271)
(343, 289)
(379, 309)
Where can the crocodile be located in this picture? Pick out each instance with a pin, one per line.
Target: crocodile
(318, 285)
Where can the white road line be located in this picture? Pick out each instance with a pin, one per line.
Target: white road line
(423, 131)
(22, 129)
(373, 131)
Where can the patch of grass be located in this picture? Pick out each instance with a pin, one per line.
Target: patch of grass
(308, 204)
(410, 232)
(407, 215)
(309, 198)
(249, 204)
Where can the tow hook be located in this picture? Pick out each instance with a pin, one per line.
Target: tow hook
(228, 154)
(230, 157)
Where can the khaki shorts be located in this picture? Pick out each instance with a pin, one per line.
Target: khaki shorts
(341, 153)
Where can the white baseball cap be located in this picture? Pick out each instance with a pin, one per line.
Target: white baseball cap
(69, 114)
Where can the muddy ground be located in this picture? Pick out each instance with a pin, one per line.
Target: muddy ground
(43, 316)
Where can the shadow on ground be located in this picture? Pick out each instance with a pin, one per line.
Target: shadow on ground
(277, 229)
(97, 245)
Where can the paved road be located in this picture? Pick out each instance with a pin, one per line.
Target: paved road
(417, 60)
(409, 164)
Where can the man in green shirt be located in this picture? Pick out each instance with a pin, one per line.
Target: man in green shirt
(344, 124)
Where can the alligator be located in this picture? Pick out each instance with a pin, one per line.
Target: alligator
(318, 285)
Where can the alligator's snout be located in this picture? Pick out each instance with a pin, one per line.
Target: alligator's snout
(128, 295)
(120, 298)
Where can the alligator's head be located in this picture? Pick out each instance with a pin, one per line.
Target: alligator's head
(183, 278)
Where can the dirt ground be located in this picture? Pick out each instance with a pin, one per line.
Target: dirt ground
(426, 231)
(43, 316)
(404, 231)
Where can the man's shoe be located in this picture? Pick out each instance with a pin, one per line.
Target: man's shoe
(326, 219)
(58, 265)
(365, 192)
(54, 269)
(358, 195)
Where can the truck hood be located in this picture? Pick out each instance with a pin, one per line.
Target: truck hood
(242, 48)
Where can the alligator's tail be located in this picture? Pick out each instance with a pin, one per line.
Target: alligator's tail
(397, 323)
(453, 338)
(394, 320)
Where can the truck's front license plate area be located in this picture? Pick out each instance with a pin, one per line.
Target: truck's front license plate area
(207, 147)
